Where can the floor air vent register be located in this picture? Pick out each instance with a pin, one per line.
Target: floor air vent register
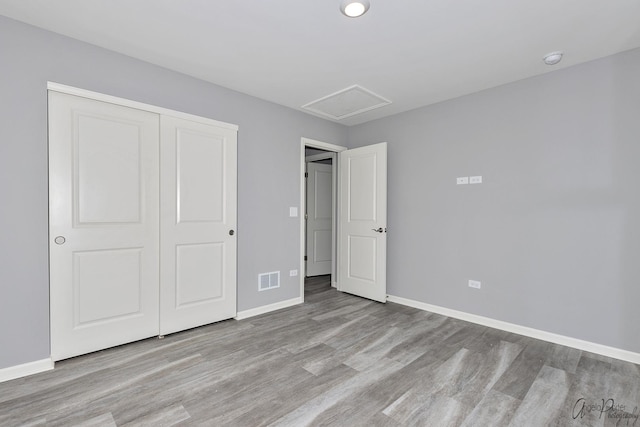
(268, 280)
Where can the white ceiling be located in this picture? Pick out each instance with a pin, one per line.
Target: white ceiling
(292, 52)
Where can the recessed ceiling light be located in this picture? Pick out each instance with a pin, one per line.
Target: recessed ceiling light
(354, 8)
(552, 58)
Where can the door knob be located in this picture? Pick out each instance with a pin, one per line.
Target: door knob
(378, 230)
(60, 240)
(231, 232)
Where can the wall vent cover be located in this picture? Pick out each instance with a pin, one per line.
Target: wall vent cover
(268, 280)
(346, 103)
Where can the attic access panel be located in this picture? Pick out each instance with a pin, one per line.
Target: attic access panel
(346, 103)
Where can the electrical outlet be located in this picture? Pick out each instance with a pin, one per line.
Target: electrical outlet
(462, 180)
(474, 284)
(475, 180)
(293, 273)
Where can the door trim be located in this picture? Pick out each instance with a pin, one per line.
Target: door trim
(312, 143)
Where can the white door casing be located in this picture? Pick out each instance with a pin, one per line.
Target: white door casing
(363, 221)
(103, 198)
(319, 215)
(198, 224)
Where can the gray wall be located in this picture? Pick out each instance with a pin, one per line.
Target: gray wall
(268, 170)
(553, 233)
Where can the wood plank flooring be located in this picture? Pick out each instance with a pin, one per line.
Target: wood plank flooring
(335, 360)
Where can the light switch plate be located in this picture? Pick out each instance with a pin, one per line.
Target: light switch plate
(475, 179)
(462, 180)
(474, 284)
(293, 211)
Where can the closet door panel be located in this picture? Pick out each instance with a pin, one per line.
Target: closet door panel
(199, 273)
(198, 221)
(200, 176)
(103, 200)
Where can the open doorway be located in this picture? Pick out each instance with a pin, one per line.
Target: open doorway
(319, 201)
(359, 228)
(319, 213)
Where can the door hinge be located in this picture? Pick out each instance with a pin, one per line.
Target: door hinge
(306, 216)
(305, 257)
(306, 174)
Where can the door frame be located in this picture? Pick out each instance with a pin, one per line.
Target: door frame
(331, 148)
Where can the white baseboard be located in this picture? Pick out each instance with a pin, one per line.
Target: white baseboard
(604, 350)
(19, 371)
(245, 314)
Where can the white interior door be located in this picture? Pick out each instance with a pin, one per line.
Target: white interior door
(103, 208)
(363, 222)
(319, 215)
(198, 223)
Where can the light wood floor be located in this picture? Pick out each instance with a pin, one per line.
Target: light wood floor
(335, 360)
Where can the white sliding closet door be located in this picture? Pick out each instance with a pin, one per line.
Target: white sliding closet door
(142, 220)
(103, 203)
(198, 222)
